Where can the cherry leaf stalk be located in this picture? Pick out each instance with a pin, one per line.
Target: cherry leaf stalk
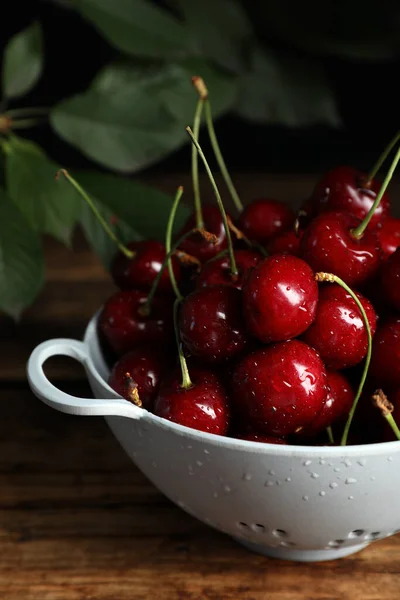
(234, 269)
(382, 158)
(330, 278)
(202, 90)
(186, 381)
(382, 403)
(195, 165)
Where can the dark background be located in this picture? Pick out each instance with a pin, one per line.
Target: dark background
(367, 94)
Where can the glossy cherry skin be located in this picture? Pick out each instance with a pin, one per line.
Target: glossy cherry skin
(264, 439)
(338, 332)
(123, 327)
(197, 246)
(337, 404)
(217, 271)
(280, 298)
(342, 189)
(204, 406)
(140, 271)
(327, 245)
(262, 219)
(147, 366)
(287, 242)
(390, 279)
(385, 362)
(211, 323)
(279, 390)
(389, 236)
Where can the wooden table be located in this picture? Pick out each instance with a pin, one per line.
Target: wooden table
(78, 521)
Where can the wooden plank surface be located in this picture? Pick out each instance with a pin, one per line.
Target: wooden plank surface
(79, 522)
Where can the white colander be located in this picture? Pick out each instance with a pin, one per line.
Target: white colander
(291, 502)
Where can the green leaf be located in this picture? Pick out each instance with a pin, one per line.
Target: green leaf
(144, 209)
(137, 27)
(287, 91)
(131, 117)
(50, 206)
(21, 259)
(23, 61)
(221, 29)
(102, 245)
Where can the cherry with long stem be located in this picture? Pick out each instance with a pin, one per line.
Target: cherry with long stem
(128, 253)
(186, 381)
(330, 278)
(202, 90)
(382, 158)
(359, 230)
(381, 402)
(234, 269)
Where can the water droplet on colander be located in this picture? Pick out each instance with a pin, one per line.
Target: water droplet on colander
(322, 493)
(215, 494)
(321, 461)
(247, 476)
(288, 479)
(199, 463)
(372, 477)
(271, 472)
(227, 489)
(269, 483)
(362, 462)
(390, 458)
(314, 475)
(306, 463)
(333, 485)
(305, 498)
(347, 462)
(154, 464)
(206, 451)
(351, 497)
(350, 480)
(337, 469)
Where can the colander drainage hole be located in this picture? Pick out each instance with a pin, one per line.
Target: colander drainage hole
(279, 533)
(356, 533)
(374, 535)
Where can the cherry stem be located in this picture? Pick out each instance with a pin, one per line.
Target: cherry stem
(168, 237)
(386, 408)
(145, 308)
(186, 381)
(195, 166)
(358, 231)
(234, 269)
(132, 390)
(220, 158)
(377, 166)
(330, 278)
(128, 253)
(330, 434)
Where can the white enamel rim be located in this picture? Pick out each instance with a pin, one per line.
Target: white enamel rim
(117, 406)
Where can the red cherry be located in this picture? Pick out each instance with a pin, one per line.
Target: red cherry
(390, 279)
(211, 323)
(342, 189)
(287, 242)
(389, 236)
(199, 247)
(385, 362)
(262, 219)
(338, 331)
(217, 271)
(123, 327)
(337, 405)
(146, 365)
(281, 389)
(140, 271)
(280, 298)
(265, 439)
(203, 406)
(327, 245)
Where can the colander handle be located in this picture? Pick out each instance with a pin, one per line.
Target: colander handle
(52, 396)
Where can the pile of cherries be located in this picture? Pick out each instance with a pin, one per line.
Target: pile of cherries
(239, 338)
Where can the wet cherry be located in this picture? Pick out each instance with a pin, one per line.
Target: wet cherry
(217, 271)
(281, 389)
(211, 323)
(328, 245)
(123, 326)
(146, 366)
(287, 242)
(262, 219)
(140, 271)
(280, 298)
(337, 404)
(386, 353)
(196, 245)
(338, 332)
(203, 405)
(389, 236)
(343, 188)
(390, 280)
